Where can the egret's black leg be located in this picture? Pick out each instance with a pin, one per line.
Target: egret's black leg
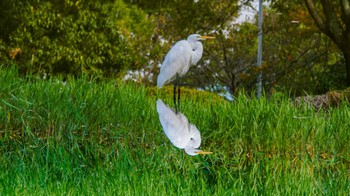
(178, 93)
(175, 97)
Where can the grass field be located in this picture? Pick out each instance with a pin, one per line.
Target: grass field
(93, 137)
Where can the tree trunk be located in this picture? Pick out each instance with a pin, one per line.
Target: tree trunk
(347, 65)
(346, 51)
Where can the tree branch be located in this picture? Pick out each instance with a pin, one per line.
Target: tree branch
(279, 75)
(319, 20)
(222, 80)
(333, 23)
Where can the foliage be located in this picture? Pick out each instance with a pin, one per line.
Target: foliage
(178, 19)
(89, 137)
(102, 37)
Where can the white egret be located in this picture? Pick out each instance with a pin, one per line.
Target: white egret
(180, 132)
(178, 61)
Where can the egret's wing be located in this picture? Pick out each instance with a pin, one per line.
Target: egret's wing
(177, 60)
(175, 126)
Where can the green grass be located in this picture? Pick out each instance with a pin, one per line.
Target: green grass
(103, 137)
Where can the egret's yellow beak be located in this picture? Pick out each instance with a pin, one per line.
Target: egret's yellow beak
(207, 37)
(203, 152)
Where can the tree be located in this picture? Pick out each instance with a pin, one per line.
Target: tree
(297, 56)
(333, 19)
(74, 36)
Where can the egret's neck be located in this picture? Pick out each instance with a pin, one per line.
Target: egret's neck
(197, 48)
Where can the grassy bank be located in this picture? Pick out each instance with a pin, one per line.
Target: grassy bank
(94, 137)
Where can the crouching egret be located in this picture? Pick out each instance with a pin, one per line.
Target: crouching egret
(178, 61)
(180, 132)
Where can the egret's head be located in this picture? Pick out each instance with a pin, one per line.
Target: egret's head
(195, 142)
(197, 37)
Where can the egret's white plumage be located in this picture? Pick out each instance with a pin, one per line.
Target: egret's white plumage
(180, 132)
(180, 57)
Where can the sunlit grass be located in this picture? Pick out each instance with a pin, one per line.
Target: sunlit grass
(104, 137)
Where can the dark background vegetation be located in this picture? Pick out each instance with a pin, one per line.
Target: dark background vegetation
(109, 38)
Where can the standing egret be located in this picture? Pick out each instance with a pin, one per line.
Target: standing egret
(178, 61)
(180, 132)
